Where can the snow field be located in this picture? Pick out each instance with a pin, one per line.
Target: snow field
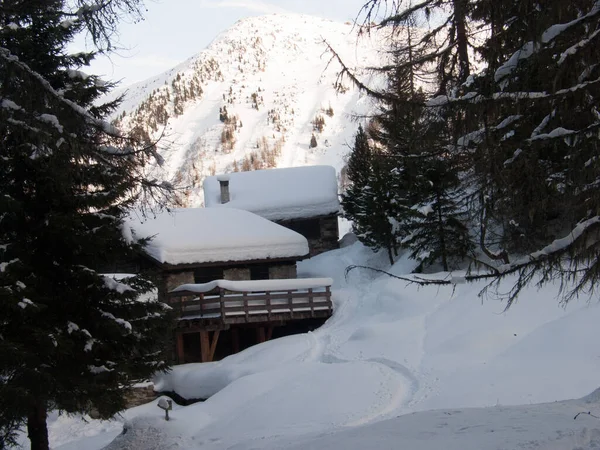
(395, 364)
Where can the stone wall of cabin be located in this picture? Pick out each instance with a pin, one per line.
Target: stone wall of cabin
(236, 274)
(322, 233)
(330, 236)
(174, 279)
(170, 280)
(276, 272)
(283, 271)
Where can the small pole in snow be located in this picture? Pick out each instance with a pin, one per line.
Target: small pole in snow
(167, 405)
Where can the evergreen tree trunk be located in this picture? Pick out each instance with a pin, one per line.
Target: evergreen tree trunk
(411, 61)
(444, 250)
(37, 430)
(460, 13)
(390, 256)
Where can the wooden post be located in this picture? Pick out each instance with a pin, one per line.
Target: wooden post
(245, 297)
(268, 303)
(222, 305)
(291, 304)
(179, 347)
(204, 346)
(213, 345)
(235, 340)
(270, 332)
(260, 335)
(311, 301)
(329, 302)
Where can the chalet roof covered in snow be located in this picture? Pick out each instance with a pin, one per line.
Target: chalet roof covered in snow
(278, 194)
(204, 235)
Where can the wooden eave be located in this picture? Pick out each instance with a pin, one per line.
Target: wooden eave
(172, 267)
(320, 216)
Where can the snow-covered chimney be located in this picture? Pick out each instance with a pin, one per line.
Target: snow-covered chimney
(224, 182)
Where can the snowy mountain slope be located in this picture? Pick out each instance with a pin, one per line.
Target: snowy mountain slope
(271, 75)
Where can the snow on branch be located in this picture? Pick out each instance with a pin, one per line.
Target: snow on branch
(526, 267)
(547, 37)
(553, 31)
(575, 48)
(114, 285)
(557, 246)
(99, 369)
(443, 100)
(125, 324)
(109, 129)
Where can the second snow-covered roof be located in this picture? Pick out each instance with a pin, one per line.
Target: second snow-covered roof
(279, 194)
(204, 235)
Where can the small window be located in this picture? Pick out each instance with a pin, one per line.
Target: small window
(206, 274)
(259, 272)
(309, 228)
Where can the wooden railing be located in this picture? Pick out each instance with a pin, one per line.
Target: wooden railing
(242, 306)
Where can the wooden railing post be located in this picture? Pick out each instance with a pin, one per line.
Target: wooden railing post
(222, 303)
(291, 304)
(268, 304)
(328, 295)
(245, 297)
(311, 302)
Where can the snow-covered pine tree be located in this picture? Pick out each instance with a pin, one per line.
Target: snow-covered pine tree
(536, 150)
(428, 201)
(439, 232)
(368, 200)
(398, 128)
(71, 338)
(418, 139)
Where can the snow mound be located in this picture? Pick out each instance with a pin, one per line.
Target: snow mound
(146, 433)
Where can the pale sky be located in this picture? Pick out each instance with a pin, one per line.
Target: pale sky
(174, 30)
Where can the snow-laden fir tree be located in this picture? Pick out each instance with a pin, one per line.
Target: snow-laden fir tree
(523, 131)
(368, 200)
(414, 141)
(71, 339)
(537, 145)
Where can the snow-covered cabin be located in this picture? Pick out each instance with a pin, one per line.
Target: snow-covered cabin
(198, 245)
(303, 199)
(191, 248)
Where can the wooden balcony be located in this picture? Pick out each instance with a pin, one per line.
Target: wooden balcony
(233, 302)
(223, 305)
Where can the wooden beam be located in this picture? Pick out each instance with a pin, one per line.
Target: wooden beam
(270, 332)
(245, 299)
(260, 335)
(232, 264)
(204, 346)
(213, 345)
(179, 347)
(235, 340)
